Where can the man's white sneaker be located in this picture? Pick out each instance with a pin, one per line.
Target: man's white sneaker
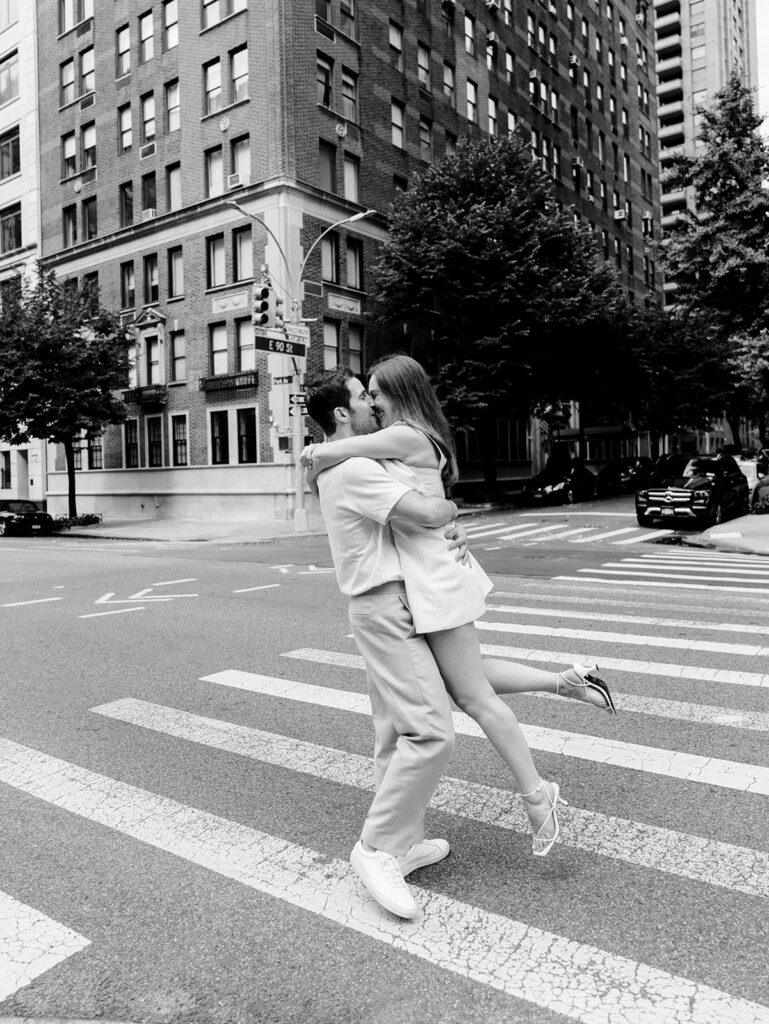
(429, 851)
(381, 874)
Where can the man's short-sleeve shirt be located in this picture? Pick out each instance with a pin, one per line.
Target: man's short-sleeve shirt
(356, 499)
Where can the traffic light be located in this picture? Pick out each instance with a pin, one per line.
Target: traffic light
(263, 313)
(278, 313)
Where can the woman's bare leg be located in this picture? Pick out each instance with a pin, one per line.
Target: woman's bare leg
(510, 677)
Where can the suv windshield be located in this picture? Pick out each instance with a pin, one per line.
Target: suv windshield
(682, 467)
(20, 506)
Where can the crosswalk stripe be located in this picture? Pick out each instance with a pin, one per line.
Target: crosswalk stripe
(530, 531)
(646, 536)
(510, 956)
(686, 565)
(30, 944)
(738, 869)
(637, 620)
(710, 587)
(631, 639)
(664, 575)
(703, 555)
(560, 536)
(605, 535)
(654, 760)
(647, 668)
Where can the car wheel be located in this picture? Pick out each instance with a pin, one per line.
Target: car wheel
(2, 527)
(717, 515)
(568, 496)
(644, 520)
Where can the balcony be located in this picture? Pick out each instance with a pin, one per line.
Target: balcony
(671, 113)
(670, 68)
(668, 24)
(672, 133)
(670, 91)
(672, 219)
(673, 202)
(150, 394)
(230, 381)
(663, 7)
(667, 156)
(670, 46)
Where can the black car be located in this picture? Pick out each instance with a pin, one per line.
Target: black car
(624, 476)
(699, 489)
(18, 516)
(561, 486)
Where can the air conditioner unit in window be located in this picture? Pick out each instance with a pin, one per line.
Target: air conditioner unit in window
(492, 5)
(646, 215)
(623, 41)
(533, 76)
(620, 215)
(149, 214)
(235, 180)
(492, 38)
(578, 162)
(574, 60)
(148, 150)
(640, 19)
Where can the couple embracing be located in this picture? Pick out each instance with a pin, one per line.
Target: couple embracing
(415, 593)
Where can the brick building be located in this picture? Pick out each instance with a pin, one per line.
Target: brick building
(155, 121)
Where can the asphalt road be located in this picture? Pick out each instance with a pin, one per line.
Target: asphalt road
(184, 766)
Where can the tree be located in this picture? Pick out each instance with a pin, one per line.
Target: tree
(505, 299)
(718, 256)
(62, 358)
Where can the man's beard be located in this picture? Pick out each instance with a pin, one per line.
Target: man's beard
(367, 426)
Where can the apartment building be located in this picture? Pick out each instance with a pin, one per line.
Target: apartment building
(185, 146)
(23, 468)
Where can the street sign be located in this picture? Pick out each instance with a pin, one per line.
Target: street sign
(283, 380)
(297, 398)
(279, 344)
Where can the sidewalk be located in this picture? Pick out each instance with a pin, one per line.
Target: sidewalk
(747, 535)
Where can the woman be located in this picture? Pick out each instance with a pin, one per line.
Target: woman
(446, 596)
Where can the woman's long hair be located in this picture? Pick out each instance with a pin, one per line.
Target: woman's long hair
(405, 383)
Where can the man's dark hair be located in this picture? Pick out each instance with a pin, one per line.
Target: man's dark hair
(325, 392)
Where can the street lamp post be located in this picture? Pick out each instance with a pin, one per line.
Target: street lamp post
(294, 293)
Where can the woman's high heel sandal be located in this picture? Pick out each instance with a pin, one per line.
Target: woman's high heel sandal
(543, 844)
(589, 686)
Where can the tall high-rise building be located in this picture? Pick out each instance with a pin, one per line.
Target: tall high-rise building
(22, 467)
(187, 145)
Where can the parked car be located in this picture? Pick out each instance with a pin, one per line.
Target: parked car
(561, 485)
(759, 498)
(700, 490)
(754, 467)
(18, 516)
(624, 476)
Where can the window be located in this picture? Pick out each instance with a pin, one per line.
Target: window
(242, 250)
(127, 285)
(212, 84)
(239, 75)
(66, 80)
(472, 101)
(148, 117)
(95, 453)
(88, 145)
(149, 192)
(220, 441)
(354, 263)
(425, 139)
(329, 253)
(698, 52)
(447, 20)
(349, 95)
(330, 344)
(510, 67)
(449, 90)
(9, 153)
(68, 155)
(492, 116)
(246, 435)
(396, 46)
(154, 441)
(351, 178)
(150, 279)
(173, 187)
(327, 167)
(123, 48)
(125, 133)
(215, 267)
(355, 348)
(179, 440)
(90, 226)
(625, 123)
(175, 272)
(423, 66)
(87, 72)
(217, 347)
(325, 81)
(470, 35)
(214, 172)
(173, 112)
(131, 443)
(152, 350)
(126, 204)
(244, 333)
(491, 55)
(171, 24)
(397, 118)
(146, 38)
(69, 225)
(178, 356)
(9, 13)
(240, 159)
(347, 17)
(215, 10)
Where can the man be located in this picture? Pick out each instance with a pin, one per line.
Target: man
(413, 726)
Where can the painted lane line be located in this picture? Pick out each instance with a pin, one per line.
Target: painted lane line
(169, 583)
(610, 515)
(482, 527)
(737, 775)
(581, 982)
(664, 575)
(712, 862)
(248, 590)
(687, 566)
(704, 559)
(116, 611)
(497, 548)
(710, 587)
(530, 531)
(40, 600)
(645, 537)
(512, 529)
(631, 639)
(648, 668)
(559, 536)
(605, 536)
(31, 944)
(636, 620)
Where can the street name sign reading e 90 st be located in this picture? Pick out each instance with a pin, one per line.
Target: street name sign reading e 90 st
(279, 342)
